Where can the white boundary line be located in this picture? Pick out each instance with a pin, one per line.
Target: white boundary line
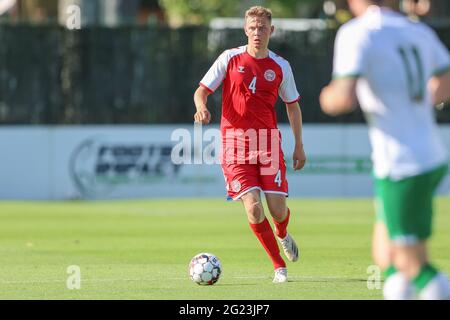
(184, 278)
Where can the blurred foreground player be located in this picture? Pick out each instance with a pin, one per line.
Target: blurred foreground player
(398, 69)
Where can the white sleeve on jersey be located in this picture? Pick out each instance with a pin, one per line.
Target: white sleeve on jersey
(288, 90)
(441, 57)
(214, 77)
(349, 52)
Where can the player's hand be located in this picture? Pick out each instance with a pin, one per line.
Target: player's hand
(202, 116)
(299, 157)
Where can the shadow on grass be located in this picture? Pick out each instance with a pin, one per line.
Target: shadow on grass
(325, 280)
(236, 284)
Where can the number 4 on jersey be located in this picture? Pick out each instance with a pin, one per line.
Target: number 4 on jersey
(252, 85)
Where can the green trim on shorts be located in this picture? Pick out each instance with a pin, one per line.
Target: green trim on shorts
(346, 76)
(406, 206)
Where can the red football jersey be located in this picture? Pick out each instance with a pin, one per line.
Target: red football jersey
(250, 88)
(251, 156)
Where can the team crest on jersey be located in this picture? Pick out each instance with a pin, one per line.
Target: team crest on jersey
(236, 186)
(270, 75)
(241, 69)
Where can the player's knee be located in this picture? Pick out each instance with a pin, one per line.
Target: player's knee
(408, 260)
(401, 263)
(279, 212)
(255, 212)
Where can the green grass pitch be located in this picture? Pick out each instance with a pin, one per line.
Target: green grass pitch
(141, 250)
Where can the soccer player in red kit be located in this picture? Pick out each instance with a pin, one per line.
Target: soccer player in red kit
(252, 159)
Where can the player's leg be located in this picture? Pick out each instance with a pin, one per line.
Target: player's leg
(275, 186)
(279, 212)
(281, 215)
(397, 285)
(262, 229)
(243, 184)
(428, 280)
(408, 207)
(253, 207)
(410, 258)
(412, 261)
(381, 246)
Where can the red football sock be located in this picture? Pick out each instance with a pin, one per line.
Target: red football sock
(281, 227)
(265, 235)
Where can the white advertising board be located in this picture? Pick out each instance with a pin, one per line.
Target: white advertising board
(129, 162)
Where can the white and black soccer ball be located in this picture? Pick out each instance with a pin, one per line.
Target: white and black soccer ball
(205, 269)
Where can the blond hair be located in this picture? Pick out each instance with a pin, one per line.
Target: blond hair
(258, 11)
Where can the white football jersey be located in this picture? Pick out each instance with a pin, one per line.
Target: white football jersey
(394, 58)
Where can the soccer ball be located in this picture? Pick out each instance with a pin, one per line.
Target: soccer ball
(205, 269)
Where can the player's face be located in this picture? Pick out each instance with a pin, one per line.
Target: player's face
(416, 7)
(258, 31)
(357, 7)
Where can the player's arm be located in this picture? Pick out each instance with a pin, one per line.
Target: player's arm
(439, 87)
(210, 82)
(351, 49)
(295, 119)
(202, 114)
(339, 96)
(439, 84)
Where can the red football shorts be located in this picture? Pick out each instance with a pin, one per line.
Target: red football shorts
(267, 175)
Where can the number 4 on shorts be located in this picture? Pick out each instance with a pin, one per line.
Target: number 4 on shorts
(278, 179)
